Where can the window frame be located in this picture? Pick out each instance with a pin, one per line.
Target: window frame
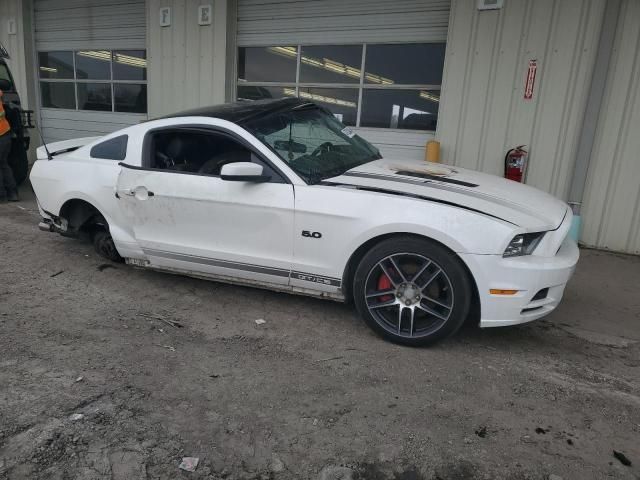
(360, 86)
(75, 80)
(147, 149)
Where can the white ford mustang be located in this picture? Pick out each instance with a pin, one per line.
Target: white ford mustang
(279, 194)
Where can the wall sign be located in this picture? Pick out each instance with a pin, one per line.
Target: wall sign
(165, 16)
(490, 4)
(204, 15)
(11, 26)
(530, 81)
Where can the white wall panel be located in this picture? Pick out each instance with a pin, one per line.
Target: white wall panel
(483, 112)
(283, 22)
(12, 9)
(611, 207)
(187, 61)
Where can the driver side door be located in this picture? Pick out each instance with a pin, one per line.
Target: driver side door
(192, 222)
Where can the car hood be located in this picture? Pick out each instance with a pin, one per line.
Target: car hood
(519, 204)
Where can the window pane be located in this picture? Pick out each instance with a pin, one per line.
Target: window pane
(414, 64)
(130, 97)
(331, 64)
(247, 92)
(267, 64)
(94, 96)
(58, 95)
(130, 65)
(93, 64)
(56, 64)
(342, 102)
(410, 109)
(113, 149)
(312, 142)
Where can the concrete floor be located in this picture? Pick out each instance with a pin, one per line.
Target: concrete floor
(310, 389)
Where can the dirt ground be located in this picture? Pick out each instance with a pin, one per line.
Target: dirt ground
(310, 390)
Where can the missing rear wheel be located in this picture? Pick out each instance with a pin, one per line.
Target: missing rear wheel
(104, 246)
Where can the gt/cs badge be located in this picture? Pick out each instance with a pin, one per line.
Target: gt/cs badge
(307, 233)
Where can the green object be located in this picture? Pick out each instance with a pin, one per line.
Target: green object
(574, 231)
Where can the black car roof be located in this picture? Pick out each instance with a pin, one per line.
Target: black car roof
(244, 111)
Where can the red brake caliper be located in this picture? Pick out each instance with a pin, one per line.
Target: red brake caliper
(384, 284)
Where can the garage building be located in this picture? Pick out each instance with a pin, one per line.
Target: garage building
(481, 76)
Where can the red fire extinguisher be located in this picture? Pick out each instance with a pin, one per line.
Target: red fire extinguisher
(515, 164)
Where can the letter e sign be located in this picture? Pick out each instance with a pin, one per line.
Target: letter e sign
(204, 15)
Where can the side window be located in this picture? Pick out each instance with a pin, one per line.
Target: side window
(112, 149)
(196, 152)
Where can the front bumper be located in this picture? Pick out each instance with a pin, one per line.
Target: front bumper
(529, 275)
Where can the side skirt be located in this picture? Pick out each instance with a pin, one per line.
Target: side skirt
(231, 280)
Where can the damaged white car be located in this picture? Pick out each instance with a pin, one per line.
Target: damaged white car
(280, 195)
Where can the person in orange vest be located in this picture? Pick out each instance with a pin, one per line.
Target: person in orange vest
(8, 189)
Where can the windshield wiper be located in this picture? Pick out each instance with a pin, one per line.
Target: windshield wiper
(339, 171)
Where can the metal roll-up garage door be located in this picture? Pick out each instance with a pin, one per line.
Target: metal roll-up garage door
(264, 22)
(91, 66)
(285, 27)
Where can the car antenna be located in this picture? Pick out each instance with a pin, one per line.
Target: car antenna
(44, 144)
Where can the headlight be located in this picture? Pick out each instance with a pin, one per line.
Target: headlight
(523, 244)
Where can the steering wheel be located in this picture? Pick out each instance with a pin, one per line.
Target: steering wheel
(169, 163)
(322, 149)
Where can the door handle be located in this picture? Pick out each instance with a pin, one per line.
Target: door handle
(140, 192)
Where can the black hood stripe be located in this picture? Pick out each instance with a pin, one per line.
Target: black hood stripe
(440, 186)
(413, 195)
(435, 178)
(423, 183)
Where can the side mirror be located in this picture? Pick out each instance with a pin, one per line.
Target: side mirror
(243, 172)
(5, 85)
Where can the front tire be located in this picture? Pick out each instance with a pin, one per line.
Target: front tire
(412, 291)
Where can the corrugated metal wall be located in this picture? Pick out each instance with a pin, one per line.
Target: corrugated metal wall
(87, 24)
(483, 112)
(65, 24)
(611, 208)
(187, 61)
(12, 9)
(283, 22)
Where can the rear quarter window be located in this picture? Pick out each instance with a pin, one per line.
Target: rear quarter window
(112, 149)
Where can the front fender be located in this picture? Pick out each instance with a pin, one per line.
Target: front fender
(348, 219)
